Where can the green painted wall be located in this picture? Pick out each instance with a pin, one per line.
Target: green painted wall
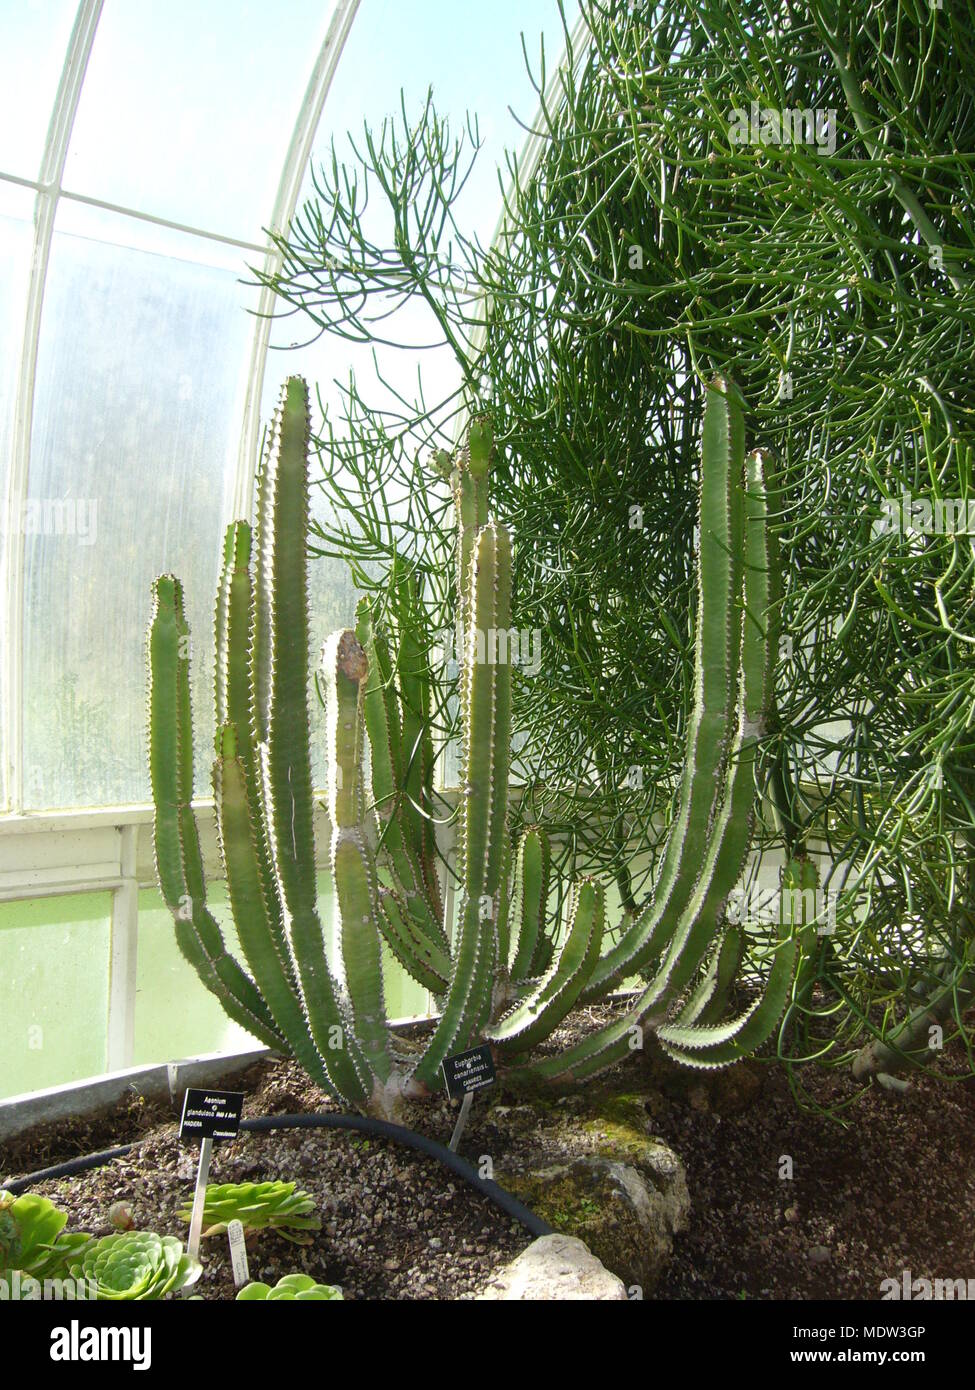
(53, 990)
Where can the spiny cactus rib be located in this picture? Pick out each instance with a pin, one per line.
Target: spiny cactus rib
(729, 830)
(716, 662)
(263, 584)
(503, 924)
(544, 1008)
(470, 490)
(426, 964)
(285, 602)
(530, 899)
(179, 865)
(263, 949)
(487, 698)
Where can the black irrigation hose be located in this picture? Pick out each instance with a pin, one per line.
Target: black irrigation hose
(381, 1129)
(68, 1169)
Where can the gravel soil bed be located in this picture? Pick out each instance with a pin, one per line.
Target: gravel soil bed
(892, 1188)
(395, 1224)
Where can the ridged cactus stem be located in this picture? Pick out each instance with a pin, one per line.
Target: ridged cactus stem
(179, 863)
(529, 901)
(487, 700)
(716, 672)
(730, 619)
(281, 621)
(344, 670)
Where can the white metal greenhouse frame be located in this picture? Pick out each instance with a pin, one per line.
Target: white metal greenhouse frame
(54, 853)
(46, 854)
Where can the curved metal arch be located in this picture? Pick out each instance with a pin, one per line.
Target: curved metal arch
(45, 208)
(292, 174)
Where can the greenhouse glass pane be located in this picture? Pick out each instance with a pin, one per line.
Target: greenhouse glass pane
(143, 350)
(187, 109)
(391, 48)
(53, 990)
(34, 41)
(16, 241)
(175, 1016)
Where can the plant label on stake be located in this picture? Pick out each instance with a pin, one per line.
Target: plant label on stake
(207, 1115)
(463, 1074)
(211, 1114)
(238, 1251)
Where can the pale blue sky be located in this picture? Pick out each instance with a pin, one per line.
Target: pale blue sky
(188, 105)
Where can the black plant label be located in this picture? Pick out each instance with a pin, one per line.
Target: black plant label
(468, 1071)
(211, 1114)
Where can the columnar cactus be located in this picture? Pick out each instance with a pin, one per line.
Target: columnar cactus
(501, 971)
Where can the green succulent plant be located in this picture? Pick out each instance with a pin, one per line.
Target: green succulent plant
(257, 1205)
(291, 1288)
(31, 1238)
(137, 1266)
(502, 970)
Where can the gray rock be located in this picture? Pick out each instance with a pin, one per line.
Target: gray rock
(555, 1267)
(607, 1179)
(627, 1218)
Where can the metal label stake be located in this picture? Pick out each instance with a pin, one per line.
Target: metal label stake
(207, 1115)
(199, 1199)
(461, 1125)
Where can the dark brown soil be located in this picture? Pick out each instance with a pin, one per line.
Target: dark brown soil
(395, 1224)
(48, 1144)
(891, 1189)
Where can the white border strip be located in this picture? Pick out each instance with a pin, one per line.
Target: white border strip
(292, 174)
(49, 189)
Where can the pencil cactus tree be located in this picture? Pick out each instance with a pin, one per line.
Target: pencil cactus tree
(501, 971)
